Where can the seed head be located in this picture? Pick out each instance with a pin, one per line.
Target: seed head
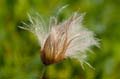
(62, 40)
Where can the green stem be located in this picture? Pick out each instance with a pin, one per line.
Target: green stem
(43, 72)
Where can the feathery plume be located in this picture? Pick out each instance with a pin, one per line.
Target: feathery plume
(62, 40)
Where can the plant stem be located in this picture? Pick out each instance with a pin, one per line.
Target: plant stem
(43, 72)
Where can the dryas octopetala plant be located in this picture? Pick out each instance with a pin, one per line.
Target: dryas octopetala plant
(59, 41)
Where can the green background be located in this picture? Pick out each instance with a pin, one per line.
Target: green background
(20, 51)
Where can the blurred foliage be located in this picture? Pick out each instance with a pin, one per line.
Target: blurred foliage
(20, 52)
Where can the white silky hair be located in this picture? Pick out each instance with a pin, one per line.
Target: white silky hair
(82, 38)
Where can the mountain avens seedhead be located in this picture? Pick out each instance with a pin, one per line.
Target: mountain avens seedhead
(60, 40)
